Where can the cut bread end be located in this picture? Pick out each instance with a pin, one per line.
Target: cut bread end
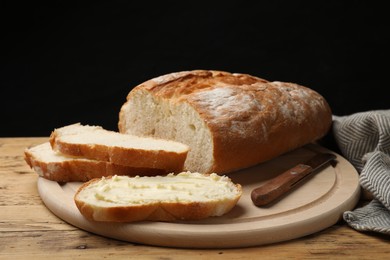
(179, 121)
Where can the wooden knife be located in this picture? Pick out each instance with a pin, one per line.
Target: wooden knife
(286, 181)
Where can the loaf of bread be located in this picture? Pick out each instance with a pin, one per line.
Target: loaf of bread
(58, 167)
(184, 196)
(229, 121)
(96, 143)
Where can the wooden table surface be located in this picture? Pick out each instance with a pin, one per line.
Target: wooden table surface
(29, 230)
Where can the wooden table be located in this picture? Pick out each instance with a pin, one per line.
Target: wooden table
(29, 230)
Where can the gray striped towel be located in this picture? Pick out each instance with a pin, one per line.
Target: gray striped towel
(364, 139)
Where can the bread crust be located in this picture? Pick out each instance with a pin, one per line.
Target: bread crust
(254, 121)
(159, 211)
(81, 170)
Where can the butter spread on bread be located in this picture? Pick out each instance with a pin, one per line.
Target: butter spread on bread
(183, 196)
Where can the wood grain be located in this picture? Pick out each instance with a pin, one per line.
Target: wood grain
(29, 230)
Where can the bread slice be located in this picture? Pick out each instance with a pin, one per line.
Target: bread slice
(94, 142)
(185, 196)
(58, 167)
(230, 121)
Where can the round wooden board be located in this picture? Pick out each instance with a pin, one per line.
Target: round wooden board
(316, 204)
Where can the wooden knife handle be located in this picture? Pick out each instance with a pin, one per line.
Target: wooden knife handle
(278, 186)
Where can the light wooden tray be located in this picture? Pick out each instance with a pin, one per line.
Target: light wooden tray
(315, 205)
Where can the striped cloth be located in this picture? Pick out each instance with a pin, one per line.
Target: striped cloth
(364, 140)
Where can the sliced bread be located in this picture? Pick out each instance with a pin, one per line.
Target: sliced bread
(58, 167)
(184, 196)
(94, 142)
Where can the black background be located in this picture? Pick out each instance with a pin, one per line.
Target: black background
(64, 62)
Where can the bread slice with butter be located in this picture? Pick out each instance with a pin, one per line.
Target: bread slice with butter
(94, 142)
(59, 167)
(183, 196)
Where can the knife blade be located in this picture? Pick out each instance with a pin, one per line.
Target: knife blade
(281, 184)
